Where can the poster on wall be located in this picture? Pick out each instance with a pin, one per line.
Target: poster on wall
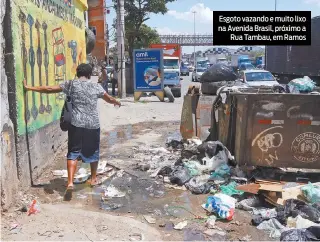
(148, 70)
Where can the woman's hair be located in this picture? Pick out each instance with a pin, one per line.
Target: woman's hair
(84, 70)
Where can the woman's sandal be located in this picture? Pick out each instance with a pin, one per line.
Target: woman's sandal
(98, 183)
(68, 194)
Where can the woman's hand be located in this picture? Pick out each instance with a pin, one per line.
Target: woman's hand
(25, 86)
(117, 104)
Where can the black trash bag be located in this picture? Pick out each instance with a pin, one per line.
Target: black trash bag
(165, 171)
(174, 141)
(294, 207)
(211, 148)
(214, 148)
(217, 73)
(199, 188)
(297, 235)
(315, 230)
(257, 219)
(180, 176)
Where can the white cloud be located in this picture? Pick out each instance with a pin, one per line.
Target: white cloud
(203, 14)
(166, 30)
(313, 2)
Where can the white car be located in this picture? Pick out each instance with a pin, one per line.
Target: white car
(197, 73)
(256, 78)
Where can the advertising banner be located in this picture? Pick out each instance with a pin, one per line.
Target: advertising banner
(148, 70)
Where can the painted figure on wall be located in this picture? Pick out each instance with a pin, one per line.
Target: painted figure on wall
(46, 63)
(42, 108)
(73, 46)
(23, 20)
(32, 62)
(59, 57)
(47, 48)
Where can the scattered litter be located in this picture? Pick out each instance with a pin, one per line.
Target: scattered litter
(304, 84)
(34, 208)
(221, 204)
(300, 223)
(214, 231)
(103, 168)
(230, 189)
(273, 226)
(13, 226)
(112, 191)
(211, 221)
(149, 219)
(61, 173)
(180, 176)
(183, 188)
(181, 225)
(81, 196)
(245, 238)
(81, 178)
(136, 237)
(120, 173)
(221, 172)
(298, 235)
(311, 192)
(200, 185)
(175, 141)
(111, 206)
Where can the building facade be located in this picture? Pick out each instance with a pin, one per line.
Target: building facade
(97, 23)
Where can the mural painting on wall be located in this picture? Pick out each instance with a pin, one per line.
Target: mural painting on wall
(49, 40)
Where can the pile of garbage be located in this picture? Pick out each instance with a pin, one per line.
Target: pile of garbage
(216, 76)
(286, 210)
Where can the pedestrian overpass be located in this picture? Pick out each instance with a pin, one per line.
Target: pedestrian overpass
(188, 40)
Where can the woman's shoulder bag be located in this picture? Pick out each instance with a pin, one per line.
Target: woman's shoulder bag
(66, 113)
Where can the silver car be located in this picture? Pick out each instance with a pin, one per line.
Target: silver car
(197, 73)
(256, 78)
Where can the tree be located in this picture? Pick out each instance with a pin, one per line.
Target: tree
(137, 12)
(145, 37)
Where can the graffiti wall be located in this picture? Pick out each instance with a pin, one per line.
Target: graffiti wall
(49, 43)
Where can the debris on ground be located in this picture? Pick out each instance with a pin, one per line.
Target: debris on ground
(149, 219)
(112, 191)
(181, 225)
(276, 206)
(34, 208)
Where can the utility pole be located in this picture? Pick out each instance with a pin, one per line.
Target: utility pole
(275, 5)
(121, 49)
(194, 38)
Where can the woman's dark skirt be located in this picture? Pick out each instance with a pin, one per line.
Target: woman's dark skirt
(83, 144)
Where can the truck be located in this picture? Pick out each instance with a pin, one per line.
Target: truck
(238, 60)
(290, 62)
(214, 59)
(171, 56)
(260, 60)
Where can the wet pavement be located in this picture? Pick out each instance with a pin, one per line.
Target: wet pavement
(140, 195)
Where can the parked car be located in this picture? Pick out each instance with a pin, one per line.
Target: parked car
(262, 66)
(172, 80)
(256, 78)
(184, 71)
(191, 68)
(246, 66)
(196, 74)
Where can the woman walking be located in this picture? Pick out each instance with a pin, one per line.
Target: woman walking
(84, 132)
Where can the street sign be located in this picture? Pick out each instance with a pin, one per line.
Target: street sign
(148, 70)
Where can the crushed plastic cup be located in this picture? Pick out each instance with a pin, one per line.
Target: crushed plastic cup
(34, 208)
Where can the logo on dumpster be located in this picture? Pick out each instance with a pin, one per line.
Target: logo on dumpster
(306, 147)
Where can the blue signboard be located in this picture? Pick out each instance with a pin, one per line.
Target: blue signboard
(148, 70)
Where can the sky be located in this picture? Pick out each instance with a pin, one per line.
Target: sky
(180, 20)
